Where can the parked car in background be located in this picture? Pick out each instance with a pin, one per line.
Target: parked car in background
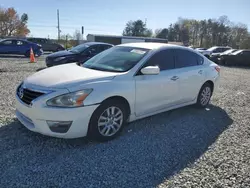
(240, 58)
(78, 54)
(47, 44)
(122, 84)
(19, 47)
(216, 56)
(200, 49)
(214, 49)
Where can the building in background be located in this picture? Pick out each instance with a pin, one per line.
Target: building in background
(113, 39)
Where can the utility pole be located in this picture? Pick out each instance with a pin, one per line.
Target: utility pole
(145, 21)
(58, 24)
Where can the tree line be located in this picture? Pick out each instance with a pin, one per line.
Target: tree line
(198, 33)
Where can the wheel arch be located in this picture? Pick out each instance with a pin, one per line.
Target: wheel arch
(121, 99)
(211, 83)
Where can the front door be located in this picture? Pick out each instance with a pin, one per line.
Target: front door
(157, 92)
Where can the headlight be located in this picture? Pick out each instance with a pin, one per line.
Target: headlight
(68, 100)
(59, 58)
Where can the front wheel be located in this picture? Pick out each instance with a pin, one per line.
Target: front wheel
(204, 95)
(108, 120)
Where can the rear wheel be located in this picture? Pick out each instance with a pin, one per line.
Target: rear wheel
(204, 95)
(27, 54)
(108, 120)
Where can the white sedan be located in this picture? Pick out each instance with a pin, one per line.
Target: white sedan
(122, 84)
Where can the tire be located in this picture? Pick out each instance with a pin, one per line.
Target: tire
(27, 54)
(204, 95)
(99, 126)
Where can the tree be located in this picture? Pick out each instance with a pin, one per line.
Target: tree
(137, 28)
(161, 33)
(77, 35)
(148, 33)
(171, 33)
(11, 24)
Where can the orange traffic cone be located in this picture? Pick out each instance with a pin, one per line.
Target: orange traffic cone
(32, 56)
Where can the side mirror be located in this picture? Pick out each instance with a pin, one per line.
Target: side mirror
(150, 70)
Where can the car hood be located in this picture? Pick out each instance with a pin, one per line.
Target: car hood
(61, 54)
(67, 76)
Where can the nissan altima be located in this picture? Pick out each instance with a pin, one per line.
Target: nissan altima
(122, 84)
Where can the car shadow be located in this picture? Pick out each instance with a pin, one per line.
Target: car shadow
(148, 151)
(13, 56)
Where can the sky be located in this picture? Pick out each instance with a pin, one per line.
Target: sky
(111, 16)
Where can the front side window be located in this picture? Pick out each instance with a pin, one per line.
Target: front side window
(104, 47)
(185, 58)
(116, 59)
(92, 50)
(79, 49)
(19, 42)
(163, 59)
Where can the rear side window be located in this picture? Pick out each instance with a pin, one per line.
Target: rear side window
(200, 59)
(185, 58)
(7, 42)
(164, 59)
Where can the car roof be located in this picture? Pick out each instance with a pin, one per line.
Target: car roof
(24, 40)
(151, 45)
(95, 43)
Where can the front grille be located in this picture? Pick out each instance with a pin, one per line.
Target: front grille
(27, 95)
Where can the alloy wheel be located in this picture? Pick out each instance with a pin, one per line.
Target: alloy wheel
(205, 96)
(110, 121)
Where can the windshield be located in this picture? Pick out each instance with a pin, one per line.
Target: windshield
(116, 59)
(229, 51)
(237, 52)
(211, 49)
(78, 49)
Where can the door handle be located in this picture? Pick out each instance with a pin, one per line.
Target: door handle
(200, 71)
(174, 78)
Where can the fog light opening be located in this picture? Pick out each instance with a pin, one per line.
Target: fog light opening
(59, 126)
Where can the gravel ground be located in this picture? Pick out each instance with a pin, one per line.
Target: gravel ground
(186, 147)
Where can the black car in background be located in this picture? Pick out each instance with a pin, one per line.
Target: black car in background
(78, 54)
(240, 58)
(216, 56)
(47, 44)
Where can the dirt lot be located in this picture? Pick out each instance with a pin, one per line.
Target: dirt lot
(181, 148)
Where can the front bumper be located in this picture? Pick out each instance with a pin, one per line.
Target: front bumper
(35, 118)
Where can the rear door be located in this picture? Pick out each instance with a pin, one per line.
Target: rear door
(191, 74)
(8, 47)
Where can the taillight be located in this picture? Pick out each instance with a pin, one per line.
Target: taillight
(217, 68)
